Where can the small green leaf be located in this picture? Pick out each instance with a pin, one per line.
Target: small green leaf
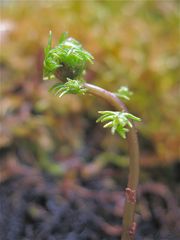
(63, 93)
(131, 116)
(109, 124)
(118, 121)
(70, 87)
(63, 37)
(124, 93)
(48, 48)
(106, 118)
(113, 129)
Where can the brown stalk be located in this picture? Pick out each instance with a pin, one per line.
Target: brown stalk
(133, 148)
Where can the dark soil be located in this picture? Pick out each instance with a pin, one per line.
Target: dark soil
(38, 207)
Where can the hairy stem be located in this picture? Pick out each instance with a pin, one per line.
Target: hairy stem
(133, 148)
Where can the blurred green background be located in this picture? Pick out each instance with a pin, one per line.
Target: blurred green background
(134, 43)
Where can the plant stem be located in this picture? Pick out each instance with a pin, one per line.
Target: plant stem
(133, 148)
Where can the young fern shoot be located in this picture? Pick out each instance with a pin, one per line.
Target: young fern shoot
(67, 63)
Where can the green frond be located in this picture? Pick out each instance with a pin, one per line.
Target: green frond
(124, 93)
(70, 87)
(118, 121)
(68, 57)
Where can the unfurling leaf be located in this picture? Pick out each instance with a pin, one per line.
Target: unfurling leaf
(68, 58)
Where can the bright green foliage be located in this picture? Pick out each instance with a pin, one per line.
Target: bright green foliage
(117, 121)
(68, 58)
(70, 87)
(124, 93)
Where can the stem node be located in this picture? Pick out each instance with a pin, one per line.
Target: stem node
(130, 195)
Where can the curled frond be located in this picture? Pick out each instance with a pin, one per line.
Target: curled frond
(70, 87)
(124, 93)
(118, 121)
(68, 57)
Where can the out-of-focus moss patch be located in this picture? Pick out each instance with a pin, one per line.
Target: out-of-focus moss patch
(134, 44)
